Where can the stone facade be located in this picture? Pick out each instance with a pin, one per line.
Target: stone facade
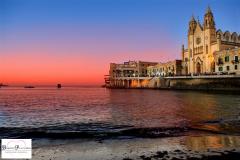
(130, 69)
(203, 41)
(227, 61)
(171, 68)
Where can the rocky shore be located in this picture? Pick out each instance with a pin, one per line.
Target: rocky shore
(192, 155)
(205, 147)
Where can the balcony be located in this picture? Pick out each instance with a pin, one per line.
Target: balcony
(236, 61)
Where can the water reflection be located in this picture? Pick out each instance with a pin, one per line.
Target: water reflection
(212, 142)
(146, 108)
(139, 108)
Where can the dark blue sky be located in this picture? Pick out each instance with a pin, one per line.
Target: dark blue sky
(110, 19)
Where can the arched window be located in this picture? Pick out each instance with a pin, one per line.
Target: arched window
(227, 38)
(234, 39)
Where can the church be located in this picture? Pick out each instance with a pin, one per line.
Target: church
(204, 43)
(209, 52)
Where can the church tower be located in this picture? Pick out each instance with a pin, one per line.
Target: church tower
(192, 26)
(209, 19)
(191, 29)
(209, 36)
(209, 26)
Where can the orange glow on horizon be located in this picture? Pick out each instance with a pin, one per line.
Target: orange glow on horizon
(46, 67)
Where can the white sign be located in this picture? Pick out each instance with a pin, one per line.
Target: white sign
(16, 148)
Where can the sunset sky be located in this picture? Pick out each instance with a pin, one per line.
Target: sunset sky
(73, 41)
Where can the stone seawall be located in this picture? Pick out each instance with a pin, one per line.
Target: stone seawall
(188, 83)
(206, 83)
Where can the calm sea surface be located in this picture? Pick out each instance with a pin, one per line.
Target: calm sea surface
(99, 112)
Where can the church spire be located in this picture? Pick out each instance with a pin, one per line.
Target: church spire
(209, 9)
(209, 19)
(192, 26)
(192, 19)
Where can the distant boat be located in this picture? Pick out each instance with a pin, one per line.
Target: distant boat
(59, 86)
(29, 87)
(3, 85)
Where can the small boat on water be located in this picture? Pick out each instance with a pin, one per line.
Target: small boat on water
(59, 86)
(29, 87)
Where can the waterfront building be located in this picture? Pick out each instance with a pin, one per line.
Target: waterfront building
(203, 41)
(209, 52)
(171, 68)
(130, 69)
(227, 61)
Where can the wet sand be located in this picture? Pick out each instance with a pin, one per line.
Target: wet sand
(186, 147)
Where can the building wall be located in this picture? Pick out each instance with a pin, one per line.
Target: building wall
(227, 61)
(171, 68)
(130, 69)
(126, 69)
(143, 65)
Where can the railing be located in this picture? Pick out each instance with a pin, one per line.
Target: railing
(195, 75)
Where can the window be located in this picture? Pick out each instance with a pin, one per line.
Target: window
(220, 61)
(228, 68)
(236, 58)
(206, 49)
(227, 59)
(220, 69)
(236, 67)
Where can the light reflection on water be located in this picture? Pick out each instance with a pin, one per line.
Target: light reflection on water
(212, 141)
(140, 108)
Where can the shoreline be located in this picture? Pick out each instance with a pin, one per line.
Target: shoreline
(201, 147)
